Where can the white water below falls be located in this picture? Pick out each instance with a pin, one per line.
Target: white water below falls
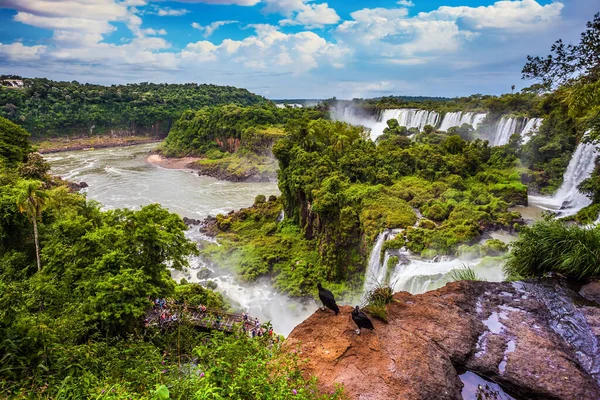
(131, 182)
(416, 275)
(568, 200)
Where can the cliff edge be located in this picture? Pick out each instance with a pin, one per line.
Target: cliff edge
(536, 339)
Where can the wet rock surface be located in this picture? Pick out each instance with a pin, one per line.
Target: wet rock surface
(504, 332)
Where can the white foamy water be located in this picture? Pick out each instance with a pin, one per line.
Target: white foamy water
(505, 128)
(121, 178)
(531, 128)
(568, 200)
(416, 275)
(376, 269)
(457, 119)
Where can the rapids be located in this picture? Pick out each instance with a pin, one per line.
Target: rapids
(121, 178)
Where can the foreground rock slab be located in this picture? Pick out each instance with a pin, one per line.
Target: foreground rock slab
(504, 332)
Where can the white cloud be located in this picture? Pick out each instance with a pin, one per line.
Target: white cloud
(524, 15)
(406, 3)
(391, 36)
(223, 2)
(171, 12)
(284, 7)
(303, 12)
(269, 49)
(91, 10)
(314, 16)
(212, 27)
(19, 52)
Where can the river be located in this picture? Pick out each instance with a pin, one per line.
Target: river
(121, 178)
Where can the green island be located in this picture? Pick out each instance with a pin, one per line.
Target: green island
(77, 282)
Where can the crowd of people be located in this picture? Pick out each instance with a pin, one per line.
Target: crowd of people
(166, 311)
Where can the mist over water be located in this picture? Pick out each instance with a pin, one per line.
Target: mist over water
(121, 178)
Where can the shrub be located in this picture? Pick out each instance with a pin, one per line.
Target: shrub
(553, 246)
(464, 274)
(493, 247)
(261, 198)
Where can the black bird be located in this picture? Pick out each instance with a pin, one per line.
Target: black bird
(361, 320)
(327, 298)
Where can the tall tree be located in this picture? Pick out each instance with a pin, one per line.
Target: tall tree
(13, 142)
(31, 199)
(568, 61)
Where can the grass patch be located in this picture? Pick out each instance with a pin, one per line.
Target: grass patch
(553, 246)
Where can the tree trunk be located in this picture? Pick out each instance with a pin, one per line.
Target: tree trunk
(37, 246)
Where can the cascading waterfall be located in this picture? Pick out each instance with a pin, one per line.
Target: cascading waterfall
(531, 128)
(418, 276)
(376, 269)
(408, 117)
(459, 118)
(505, 128)
(568, 200)
(349, 115)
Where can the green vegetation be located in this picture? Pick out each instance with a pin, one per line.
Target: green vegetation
(377, 301)
(229, 128)
(574, 70)
(464, 274)
(552, 246)
(48, 108)
(75, 285)
(339, 191)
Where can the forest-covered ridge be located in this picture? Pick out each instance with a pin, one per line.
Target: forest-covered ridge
(48, 108)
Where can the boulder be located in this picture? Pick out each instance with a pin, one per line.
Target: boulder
(501, 331)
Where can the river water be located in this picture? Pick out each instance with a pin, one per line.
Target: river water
(121, 178)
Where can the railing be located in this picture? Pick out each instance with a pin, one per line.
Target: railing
(207, 319)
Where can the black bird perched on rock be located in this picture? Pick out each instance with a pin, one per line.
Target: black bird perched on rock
(361, 320)
(327, 298)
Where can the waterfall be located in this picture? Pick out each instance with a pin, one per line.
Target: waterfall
(349, 115)
(568, 200)
(459, 118)
(376, 270)
(506, 127)
(410, 118)
(418, 275)
(531, 128)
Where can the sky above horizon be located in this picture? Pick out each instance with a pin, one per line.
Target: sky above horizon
(290, 48)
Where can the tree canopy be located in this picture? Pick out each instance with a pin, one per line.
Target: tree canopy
(50, 108)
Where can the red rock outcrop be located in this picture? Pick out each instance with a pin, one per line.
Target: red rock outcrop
(501, 331)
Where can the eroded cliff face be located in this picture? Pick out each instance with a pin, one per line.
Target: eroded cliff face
(538, 340)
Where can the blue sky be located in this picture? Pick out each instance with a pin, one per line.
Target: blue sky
(289, 48)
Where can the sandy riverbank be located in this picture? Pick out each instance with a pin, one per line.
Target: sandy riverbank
(57, 145)
(171, 163)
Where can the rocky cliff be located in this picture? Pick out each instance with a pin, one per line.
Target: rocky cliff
(538, 340)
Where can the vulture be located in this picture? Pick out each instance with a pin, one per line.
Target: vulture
(361, 320)
(327, 298)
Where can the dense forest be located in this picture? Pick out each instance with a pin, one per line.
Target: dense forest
(77, 282)
(48, 108)
(339, 189)
(74, 294)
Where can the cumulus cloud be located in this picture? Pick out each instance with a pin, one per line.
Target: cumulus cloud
(212, 27)
(171, 12)
(268, 49)
(79, 28)
(522, 16)
(223, 2)
(405, 3)
(303, 12)
(394, 37)
(19, 52)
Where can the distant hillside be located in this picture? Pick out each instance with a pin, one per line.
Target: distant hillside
(50, 108)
